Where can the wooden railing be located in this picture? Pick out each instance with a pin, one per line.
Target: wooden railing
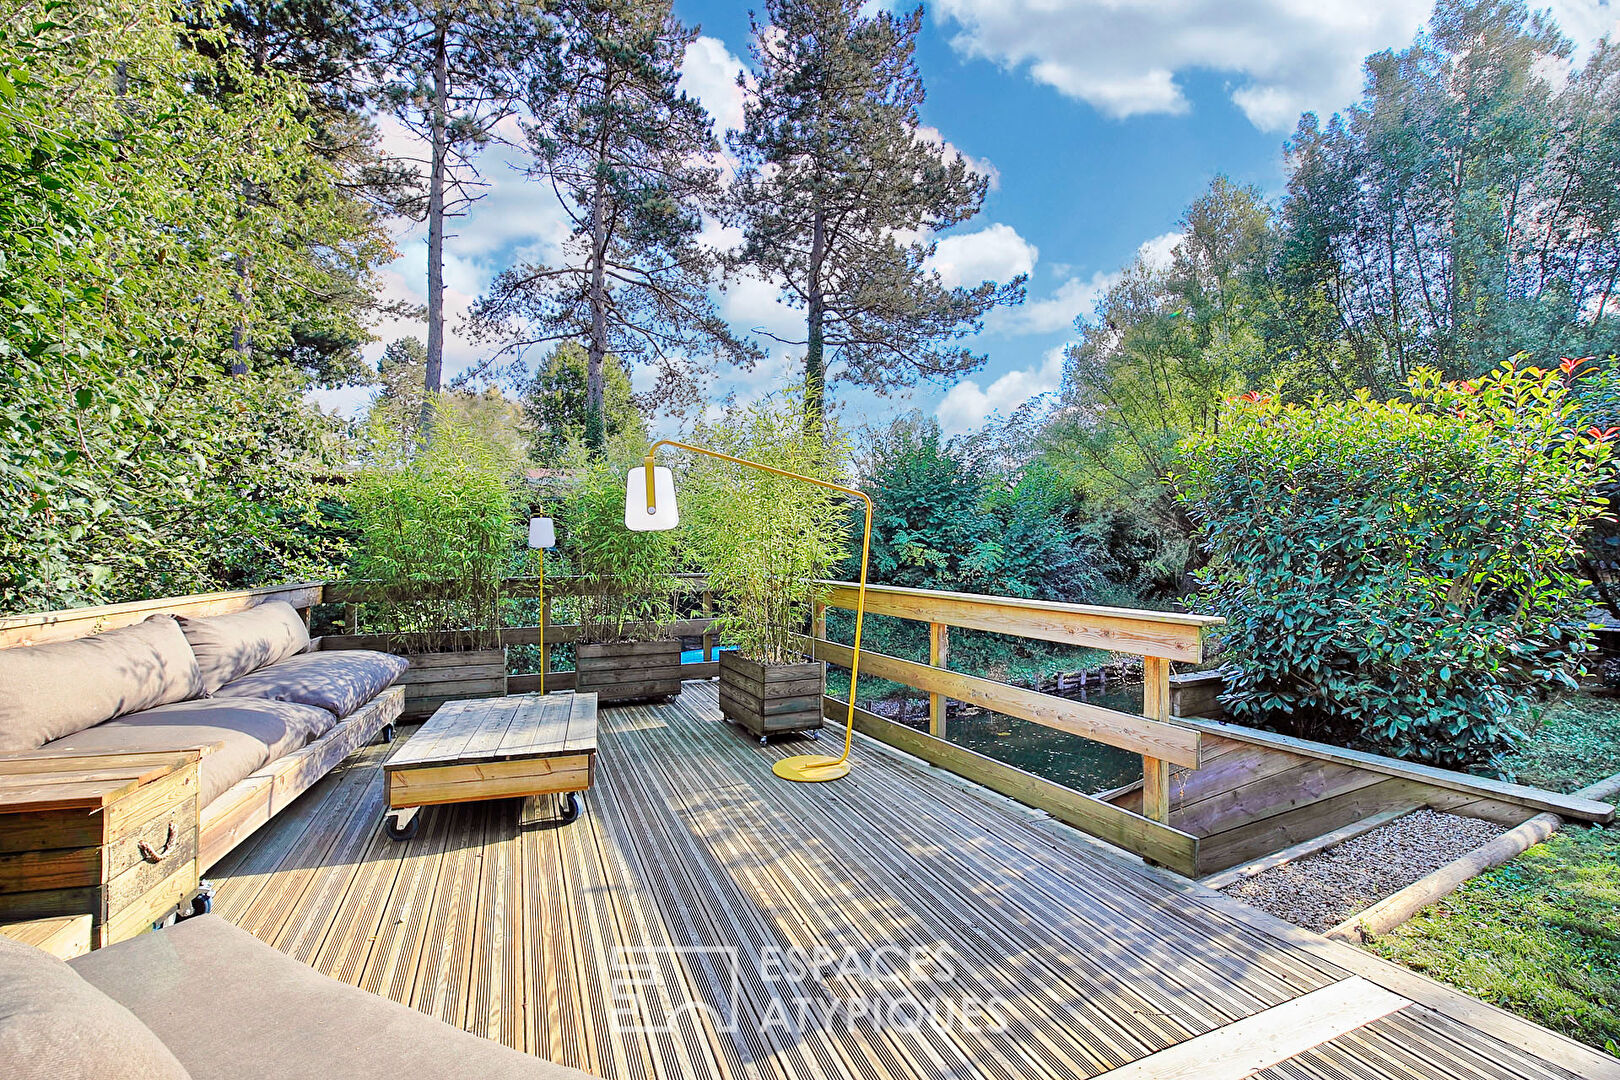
(1253, 793)
(1157, 637)
(545, 633)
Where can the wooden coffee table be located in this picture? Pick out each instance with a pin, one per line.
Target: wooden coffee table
(524, 746)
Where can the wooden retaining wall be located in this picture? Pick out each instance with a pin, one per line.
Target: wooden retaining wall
(1257, 792)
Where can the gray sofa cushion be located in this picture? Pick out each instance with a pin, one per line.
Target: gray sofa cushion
(48, 691)
(230, 1006)
(339, 681)
(237, 735)
(230, 646)
(56, 1026)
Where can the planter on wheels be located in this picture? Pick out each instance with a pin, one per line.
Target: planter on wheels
(769, 699)
(629, 670)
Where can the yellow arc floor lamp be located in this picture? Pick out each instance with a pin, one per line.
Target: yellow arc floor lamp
(649, 506)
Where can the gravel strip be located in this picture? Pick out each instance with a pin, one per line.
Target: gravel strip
(1320, 891)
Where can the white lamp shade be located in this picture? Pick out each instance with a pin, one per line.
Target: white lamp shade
(542, 533)
(663, 514)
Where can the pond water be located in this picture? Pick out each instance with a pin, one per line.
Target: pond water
(1065, 759)
(1070, 760)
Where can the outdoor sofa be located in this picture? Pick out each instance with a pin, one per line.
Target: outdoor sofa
(204, 1000)
(269, 717)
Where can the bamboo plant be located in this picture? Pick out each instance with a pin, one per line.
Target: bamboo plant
(766, 541)
(626, 581)
(436, 529)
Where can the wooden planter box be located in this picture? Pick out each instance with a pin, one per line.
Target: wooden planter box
(771, 699)
(629, 670)
(435, 678)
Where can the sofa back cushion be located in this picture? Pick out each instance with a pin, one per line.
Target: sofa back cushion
(48, 691)
(230, 646)
(56, 1026)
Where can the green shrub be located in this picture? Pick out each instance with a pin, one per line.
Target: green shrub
(766, 540)
(436, 532)
(627, 578)
(1398, 572)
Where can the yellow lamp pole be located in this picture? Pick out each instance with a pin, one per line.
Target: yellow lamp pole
(803, 767)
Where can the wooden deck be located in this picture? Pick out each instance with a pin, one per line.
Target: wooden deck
(688, 840)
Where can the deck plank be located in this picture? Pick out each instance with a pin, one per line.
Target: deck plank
(687, 839)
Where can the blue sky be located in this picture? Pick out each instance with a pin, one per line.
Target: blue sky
(1097, 121)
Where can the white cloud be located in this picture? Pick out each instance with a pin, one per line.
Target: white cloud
(1076, 296)
(967, 405)
(1124, 56)
(997, 253)
(982, 166)
(709, 73)
(1158, 252)
(1583, 21)
(1073, 298)
(1285, 57)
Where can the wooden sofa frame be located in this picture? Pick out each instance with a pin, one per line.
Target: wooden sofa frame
(255, 799)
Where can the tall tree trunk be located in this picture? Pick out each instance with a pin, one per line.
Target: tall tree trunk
(815, 361)
(434, 371)
(595, 422)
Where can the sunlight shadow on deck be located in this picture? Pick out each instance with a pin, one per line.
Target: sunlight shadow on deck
(706, 919)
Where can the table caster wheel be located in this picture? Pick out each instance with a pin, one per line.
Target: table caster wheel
(764, 739)
(397, 831)
(388, 733)
(569, 807)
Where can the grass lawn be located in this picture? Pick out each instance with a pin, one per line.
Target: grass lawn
(1576, 743)
(1541, 935)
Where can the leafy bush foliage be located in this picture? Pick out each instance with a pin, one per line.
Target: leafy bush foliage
(1398, 572)
(131, 464)
(766, 540)
(627, 578)
(953, 519)
(436, 532)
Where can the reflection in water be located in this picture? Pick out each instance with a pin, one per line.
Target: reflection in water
(1066, 759)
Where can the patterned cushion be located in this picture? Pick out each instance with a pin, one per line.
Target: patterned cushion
(339, 681)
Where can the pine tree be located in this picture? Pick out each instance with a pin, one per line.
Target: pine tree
(323, 45)
(627, 152)
(836, 182)
(554, 408)
(451, 71)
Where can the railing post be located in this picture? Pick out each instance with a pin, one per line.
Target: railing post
(708, 613)
(818, 621)
(939, 653)
(1156, 706)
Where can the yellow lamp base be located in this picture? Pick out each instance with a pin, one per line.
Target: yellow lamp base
(811, 768)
